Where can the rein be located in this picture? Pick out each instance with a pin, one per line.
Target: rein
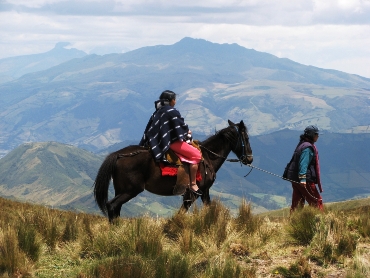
(131, 154)
(242, 141)
(262, 170)
(216, 154)
(242, 157)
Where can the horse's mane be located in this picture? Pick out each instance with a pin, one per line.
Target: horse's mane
(226, 134)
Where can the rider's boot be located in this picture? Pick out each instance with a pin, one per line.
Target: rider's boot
(193, 179)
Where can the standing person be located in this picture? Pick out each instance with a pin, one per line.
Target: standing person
(165, 130)
(304, 169)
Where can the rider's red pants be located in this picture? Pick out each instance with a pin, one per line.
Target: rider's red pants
(186, 152)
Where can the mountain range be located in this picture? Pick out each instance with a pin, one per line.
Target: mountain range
(62, 111)
(62, 176)
(94, 102)
(14, 67)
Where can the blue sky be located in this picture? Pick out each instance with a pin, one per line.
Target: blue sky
(333, 34)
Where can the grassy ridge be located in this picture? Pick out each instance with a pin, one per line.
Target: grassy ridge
(62, 176)
(36, 241)
(48, 172)
(350, 205)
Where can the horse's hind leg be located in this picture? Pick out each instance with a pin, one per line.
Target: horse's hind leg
(190, 197)
(114, 205)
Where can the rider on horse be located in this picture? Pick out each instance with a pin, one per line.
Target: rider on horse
(165, 130)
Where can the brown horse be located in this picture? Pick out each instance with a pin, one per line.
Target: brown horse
(133, 169)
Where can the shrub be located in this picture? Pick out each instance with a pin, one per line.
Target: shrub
(332, 240)
(147, 236)
(212, 220)
(360, 267)
(70, 232)
(28, 240)
(186, 241)
(364, 224)
(12, 260)
(301, 268)
(132, 267)
(346, 245)
(230, 268)
(108, 241)
(266, 229)
(303, 225)
(245, 221)
(47, 222)
(87, 227)
(214, 214)
(170, 264)
(141, 236)
(174, 226)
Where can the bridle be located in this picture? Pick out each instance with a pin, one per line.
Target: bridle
(241, 140)
(243, 158)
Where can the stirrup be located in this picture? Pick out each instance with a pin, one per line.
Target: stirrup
(198, 192)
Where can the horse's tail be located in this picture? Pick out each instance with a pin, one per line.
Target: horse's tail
(102, 181)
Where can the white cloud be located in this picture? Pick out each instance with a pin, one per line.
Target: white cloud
(262, 12)
(330, 33)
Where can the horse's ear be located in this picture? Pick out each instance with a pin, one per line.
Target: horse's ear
(230, 122)
(241, 124)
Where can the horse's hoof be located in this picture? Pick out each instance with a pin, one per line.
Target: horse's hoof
(110, 212)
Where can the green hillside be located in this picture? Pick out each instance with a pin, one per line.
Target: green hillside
(62, 176)
(48, 173)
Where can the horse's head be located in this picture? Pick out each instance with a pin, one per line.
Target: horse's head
(241, 147)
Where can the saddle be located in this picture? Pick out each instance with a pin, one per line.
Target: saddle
(173, 166)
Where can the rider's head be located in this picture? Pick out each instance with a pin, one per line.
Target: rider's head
(167, 95)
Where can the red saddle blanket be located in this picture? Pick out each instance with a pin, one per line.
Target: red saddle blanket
(172, 171)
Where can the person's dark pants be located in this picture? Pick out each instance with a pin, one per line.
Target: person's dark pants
(308, 193)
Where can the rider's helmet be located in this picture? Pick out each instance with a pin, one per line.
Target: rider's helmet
(167, 95)
(310, 131)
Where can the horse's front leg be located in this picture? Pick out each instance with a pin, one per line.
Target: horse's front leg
(206, 199)
(188, 199)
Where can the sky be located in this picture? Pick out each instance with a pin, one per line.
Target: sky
(330, 34)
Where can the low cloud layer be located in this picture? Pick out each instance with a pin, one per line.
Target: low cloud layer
(328, 34)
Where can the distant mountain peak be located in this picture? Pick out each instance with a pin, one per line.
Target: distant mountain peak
(188, 42)
(62, 44)
(14, 67)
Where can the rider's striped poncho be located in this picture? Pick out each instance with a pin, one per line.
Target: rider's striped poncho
(164, 127)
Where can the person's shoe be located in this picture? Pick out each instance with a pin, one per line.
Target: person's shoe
(198, 192)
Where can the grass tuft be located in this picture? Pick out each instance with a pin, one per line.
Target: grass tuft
(303, 225)
(132, 267)
(300, 268)
(245, 220)
(170, 264)
(70, 232)
(12, 260)
(28, 240)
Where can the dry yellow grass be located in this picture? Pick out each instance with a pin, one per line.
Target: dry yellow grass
(206, 242)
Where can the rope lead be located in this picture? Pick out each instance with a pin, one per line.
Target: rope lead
(262, 170)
